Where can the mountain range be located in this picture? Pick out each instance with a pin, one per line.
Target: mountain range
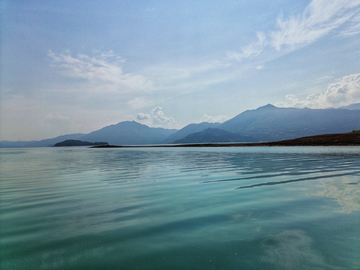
(269, 123)
(264, 124)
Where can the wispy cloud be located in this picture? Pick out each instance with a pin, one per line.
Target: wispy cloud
(103, 68)
(250, 51)
(354, 27)
(318, 19)
(188, 77)
(344, 92)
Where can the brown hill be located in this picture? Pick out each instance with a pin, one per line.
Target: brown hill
(352, 138)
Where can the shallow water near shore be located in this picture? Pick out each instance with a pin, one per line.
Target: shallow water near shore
(180, 208)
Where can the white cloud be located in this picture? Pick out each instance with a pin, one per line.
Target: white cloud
(143, 116)
(156, 118)
(354, 27)
(102, 70)
(319, 18)
(160, 118)
(215, 119)
(344, 92)
(250, 51)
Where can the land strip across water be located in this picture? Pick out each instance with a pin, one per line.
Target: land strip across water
(339, 139)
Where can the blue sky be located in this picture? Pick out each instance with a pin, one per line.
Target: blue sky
(77, 66)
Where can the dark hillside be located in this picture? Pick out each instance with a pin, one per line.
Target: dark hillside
(189, 129)
(214, 135)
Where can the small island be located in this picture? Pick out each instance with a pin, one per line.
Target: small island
(78, 143)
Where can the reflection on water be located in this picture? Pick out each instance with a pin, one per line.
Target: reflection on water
(345, 190)
(292, 250)
(199, 208)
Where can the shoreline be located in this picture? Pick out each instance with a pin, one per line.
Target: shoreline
(338, 139)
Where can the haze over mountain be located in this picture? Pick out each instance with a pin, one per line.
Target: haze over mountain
(42, 143)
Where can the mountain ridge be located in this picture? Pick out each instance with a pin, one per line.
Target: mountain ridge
(270, 123)
(129, 132)
(265, 124)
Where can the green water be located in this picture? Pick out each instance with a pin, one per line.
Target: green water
(199, 208)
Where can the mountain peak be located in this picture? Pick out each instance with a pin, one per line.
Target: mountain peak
(268, 106)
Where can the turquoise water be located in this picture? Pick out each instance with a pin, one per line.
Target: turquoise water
(173, 208)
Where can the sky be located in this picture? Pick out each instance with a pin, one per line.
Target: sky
(76, 66)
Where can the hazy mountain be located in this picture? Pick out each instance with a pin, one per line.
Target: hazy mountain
(42, 143)
(189, 129)
(269, 123)
(129, 133)
(355, 106)
(214, 135)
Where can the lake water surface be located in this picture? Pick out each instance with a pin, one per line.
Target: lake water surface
(180, 208)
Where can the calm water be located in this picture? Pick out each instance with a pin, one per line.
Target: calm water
(200, 208)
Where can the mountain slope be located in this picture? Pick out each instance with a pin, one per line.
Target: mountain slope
(269, 123)
(189, 129)
(214, 135)
(129, 133)
(354, 106)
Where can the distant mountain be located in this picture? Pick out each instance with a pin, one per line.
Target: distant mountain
(265, 124)
(355, 106)
(269, 123)
(42, 143)
(189, 129)
(78, 143)
(129, 133)
(214, 135)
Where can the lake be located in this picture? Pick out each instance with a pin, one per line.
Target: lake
(180, 208)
